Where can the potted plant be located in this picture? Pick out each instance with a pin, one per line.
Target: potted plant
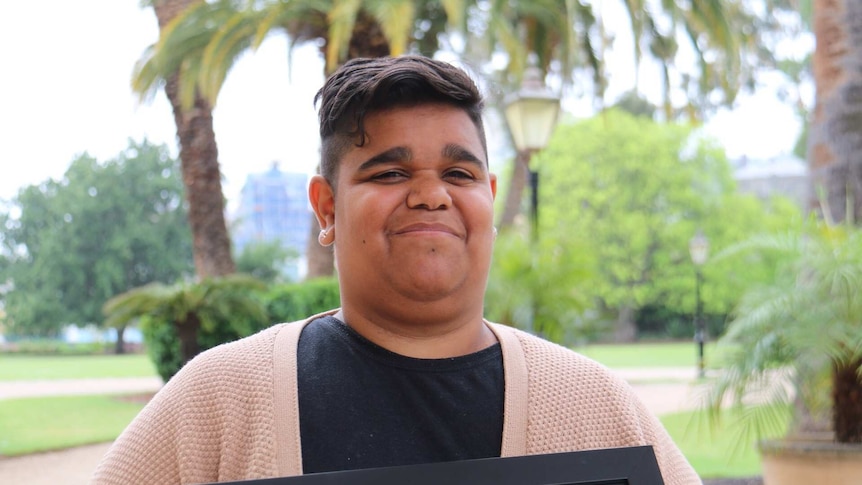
(786, 337)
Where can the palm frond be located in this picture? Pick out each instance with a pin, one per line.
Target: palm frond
(341, 18)
(396, 19)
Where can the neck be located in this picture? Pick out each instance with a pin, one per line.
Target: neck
(421, 339)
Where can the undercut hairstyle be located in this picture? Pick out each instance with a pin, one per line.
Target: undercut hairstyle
(369, 85)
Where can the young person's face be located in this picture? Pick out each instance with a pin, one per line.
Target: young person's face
(413, 210)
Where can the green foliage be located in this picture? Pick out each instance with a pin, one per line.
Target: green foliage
(31, 346)
(807, 319)
(163, 346)
(618, 184)
(229, 313)
(540, 286)
(179, 321)
(291, 302)
(628, 193)
(101, 230)
(659, 322)
(265, 260)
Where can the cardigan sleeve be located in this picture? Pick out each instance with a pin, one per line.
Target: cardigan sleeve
(213, 421)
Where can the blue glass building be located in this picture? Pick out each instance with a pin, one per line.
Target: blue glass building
(274, 206)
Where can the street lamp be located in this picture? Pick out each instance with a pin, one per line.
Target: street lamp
(531, 114)
(698, 247)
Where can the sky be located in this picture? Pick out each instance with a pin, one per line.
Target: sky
(65, 90)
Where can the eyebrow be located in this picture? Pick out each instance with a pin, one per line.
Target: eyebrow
(458, 153)
(392, 155)
(451, 151)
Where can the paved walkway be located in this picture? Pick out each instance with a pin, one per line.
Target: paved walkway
(663, 390)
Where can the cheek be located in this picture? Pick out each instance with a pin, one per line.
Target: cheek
(361, 219)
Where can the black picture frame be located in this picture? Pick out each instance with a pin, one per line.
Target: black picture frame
(612, 466)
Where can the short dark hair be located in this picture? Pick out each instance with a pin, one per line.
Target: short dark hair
(367, 85)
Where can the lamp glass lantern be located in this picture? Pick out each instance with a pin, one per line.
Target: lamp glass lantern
(532, 112)
(698, 247)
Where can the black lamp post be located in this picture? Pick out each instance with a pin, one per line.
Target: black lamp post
(531, 114)
(698, 247)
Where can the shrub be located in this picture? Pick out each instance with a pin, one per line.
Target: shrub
(283, 303)
(290, 302)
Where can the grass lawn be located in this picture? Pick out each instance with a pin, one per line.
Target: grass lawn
(41, 424)
(664, 354)
(14, 367)
(719, 451)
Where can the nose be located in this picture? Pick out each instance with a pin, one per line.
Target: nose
(428, 192)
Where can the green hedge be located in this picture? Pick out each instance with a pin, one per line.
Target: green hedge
(287, 303)
(283, 302)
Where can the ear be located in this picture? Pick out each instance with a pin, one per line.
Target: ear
(322, 199)
(493, 177)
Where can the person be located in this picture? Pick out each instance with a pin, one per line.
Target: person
(407, 370)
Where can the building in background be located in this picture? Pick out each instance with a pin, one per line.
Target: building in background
(784, 175)
(274, 206)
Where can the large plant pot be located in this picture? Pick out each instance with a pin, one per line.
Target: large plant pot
(810, 460)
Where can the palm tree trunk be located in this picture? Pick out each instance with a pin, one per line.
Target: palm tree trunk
(847, 399)
(187, 333)
(835, 137)
(200, 168)
(367, 40)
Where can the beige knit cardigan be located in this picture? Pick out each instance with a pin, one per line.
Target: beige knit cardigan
(232, 414)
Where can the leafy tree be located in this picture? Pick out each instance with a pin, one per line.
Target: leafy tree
(265, 260)
(101, 230)
(541, 286)
(633, 192)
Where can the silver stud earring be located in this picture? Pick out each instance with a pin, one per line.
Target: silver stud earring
(326, 238)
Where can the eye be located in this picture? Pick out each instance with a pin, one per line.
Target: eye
(389, 176)
(459, 174)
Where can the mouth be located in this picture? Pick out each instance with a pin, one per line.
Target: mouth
(426, 229)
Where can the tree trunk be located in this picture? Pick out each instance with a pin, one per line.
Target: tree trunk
(515, 194)
(367, 40)
(625, 330)
(187, 332)
(200, 169)
(847, 400)
(835, 137)
(120, 344)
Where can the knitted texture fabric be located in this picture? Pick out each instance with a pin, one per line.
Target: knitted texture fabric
(217, 420)
(212, 421)
(578, 404)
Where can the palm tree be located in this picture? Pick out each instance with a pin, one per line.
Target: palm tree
(206, 39)
(569, 36)
(835, 130)
(190, 307)
(198, 150)
(809, 317)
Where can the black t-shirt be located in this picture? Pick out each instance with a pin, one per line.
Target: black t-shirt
(362, 406)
